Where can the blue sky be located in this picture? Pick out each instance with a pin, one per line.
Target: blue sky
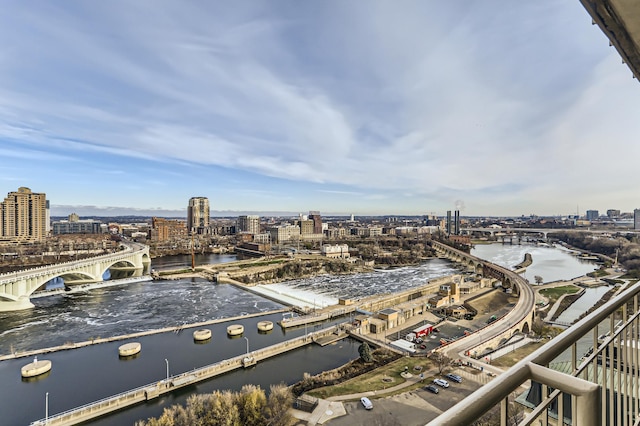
(376, 107)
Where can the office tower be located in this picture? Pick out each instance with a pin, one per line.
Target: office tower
(24, 216)
(448, 222)
(317, 221)
(198, 215)
(592, 214)
(636, 219)
(250, 224)
(457, 222)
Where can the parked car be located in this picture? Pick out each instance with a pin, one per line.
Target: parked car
(432, 389)
(366, 403)
(454, 378)
(441, 382)
(423, 346)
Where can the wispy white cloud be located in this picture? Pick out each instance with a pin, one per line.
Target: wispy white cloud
(435, 102)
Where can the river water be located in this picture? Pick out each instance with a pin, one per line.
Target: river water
(83, 375)
(550, 263)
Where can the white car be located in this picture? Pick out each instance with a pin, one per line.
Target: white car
(441, 382)
(366, 403)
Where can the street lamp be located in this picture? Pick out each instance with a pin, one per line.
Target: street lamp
(46, 408)
(247, 339)
(167, 361)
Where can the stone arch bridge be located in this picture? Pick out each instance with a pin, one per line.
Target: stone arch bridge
(16, 287)
(519, 319)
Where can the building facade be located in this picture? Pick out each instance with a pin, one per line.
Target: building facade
(592, 215)
(249, 223)
(611, 213)
(317, 221)
(24, 216)
(167, 229)
(284, 233)
(636, 219)
(75, 225)
(198, 215)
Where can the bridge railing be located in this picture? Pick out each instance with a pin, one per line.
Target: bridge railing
(588, 375)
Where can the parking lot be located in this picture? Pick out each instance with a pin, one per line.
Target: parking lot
(412, 408)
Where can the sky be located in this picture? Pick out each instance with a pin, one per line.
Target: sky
(347, 107)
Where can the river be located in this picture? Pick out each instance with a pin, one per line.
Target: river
(550, 263)
(98, 372)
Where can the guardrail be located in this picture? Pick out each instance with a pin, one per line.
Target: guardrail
(600, 387)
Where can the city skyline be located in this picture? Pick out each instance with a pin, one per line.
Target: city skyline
(497, 109)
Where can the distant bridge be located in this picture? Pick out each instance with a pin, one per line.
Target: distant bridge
(539, 231)
(16, 287)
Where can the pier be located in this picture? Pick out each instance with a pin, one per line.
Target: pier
(154, 390)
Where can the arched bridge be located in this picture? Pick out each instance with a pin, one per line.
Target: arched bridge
(16, 287)
(519, 319)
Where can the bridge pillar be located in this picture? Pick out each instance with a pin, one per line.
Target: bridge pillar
(22, 303)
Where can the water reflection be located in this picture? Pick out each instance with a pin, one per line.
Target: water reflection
(550, 263)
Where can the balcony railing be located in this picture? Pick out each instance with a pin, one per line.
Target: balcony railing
(589, 375)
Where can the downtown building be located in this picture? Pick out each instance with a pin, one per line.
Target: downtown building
(24, 217)
(249, 224)
(74, 225)
(167, 229)
(198, 215)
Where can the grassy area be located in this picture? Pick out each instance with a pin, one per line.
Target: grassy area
(374, 380)
(264, 263)
(598, 273)
(174, 272)
(554, 293)
(512, 358)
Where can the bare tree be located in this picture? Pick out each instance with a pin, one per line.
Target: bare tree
(440, 360)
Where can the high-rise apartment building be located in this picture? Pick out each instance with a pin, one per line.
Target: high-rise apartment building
(198, 215)
(317, 221)
(24, 216)
(636, 219)
(592, 215)
(249, 223)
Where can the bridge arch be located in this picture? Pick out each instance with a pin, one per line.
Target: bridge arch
(17, 287)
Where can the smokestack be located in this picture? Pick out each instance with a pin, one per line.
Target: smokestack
(448, 222)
